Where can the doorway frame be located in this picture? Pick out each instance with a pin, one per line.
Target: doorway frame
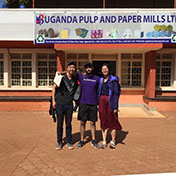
(103, 59)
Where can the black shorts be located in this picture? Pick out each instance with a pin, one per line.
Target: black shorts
(87, 112)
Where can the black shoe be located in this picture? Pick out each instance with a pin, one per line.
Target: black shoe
(59, 146)
(80, 144)
(70, 146)
(95, 144)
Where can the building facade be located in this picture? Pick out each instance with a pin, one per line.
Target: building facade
(147, 72)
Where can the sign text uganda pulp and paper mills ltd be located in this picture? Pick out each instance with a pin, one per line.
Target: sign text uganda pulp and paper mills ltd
(94, 28)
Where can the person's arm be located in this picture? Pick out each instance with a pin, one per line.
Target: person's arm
(53, 95)
(98, 91)
(115, 96)
(62, 72)
(79, 77)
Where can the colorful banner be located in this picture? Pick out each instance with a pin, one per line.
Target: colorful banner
(104, 28)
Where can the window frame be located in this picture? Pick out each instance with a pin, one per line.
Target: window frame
(131, 60)
(37, 73)
(77, 59)
(172, 69)
(33, 51)
(21, 69)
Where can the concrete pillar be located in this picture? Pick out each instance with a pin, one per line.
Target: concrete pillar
(6, 72)
(174, 71)
(150, 74)
(60, 60)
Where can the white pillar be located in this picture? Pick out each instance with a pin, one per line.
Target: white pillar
(34, 69)
(174, 86)
(6, 72)
(143, 70)
(119, 71)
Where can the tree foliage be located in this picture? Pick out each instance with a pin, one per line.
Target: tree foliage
(17, 3)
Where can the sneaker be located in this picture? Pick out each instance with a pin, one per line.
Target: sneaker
(70, 146)
(112, 145)
(95, 144)
(80, 144)
(59, 146)
(103, 146)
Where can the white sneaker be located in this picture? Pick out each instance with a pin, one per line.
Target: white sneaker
(112, 145)
(103, 145)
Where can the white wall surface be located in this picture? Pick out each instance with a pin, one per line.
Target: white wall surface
(18, 24)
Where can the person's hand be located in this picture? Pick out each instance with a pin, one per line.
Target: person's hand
(61, 72)
(115, 111)
(54, 104)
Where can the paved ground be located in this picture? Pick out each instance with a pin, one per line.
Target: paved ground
(147, 144)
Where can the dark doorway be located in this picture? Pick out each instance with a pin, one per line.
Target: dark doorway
(98, 64)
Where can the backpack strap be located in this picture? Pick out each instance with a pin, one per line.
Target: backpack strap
(68, 85)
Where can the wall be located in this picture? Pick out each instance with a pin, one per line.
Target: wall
(25, 106)
(131, 97)
(16, 25)
(150, 73)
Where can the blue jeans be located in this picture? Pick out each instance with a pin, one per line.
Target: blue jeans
(64, 110)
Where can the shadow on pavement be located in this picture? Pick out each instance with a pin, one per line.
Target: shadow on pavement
(121, 135)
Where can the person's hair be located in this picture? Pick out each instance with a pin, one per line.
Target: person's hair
(71, 63)
(79, 69)
(105, 64)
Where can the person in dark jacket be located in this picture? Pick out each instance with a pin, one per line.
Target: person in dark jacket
(108, 98)
(62, 98)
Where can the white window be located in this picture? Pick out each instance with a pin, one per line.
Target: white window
(131, 70)
(164, 70)
(46, 68)
(1, 69)
(21, 69)
(79, 59)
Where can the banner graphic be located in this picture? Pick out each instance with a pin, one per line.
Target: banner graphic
(105, 28)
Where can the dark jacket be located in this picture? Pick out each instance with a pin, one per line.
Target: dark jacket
(65, 92)
(52, 111)
(114, 91)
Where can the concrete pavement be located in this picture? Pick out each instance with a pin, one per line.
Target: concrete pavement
(145, 145)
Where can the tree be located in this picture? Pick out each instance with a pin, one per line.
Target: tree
(18, 3)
